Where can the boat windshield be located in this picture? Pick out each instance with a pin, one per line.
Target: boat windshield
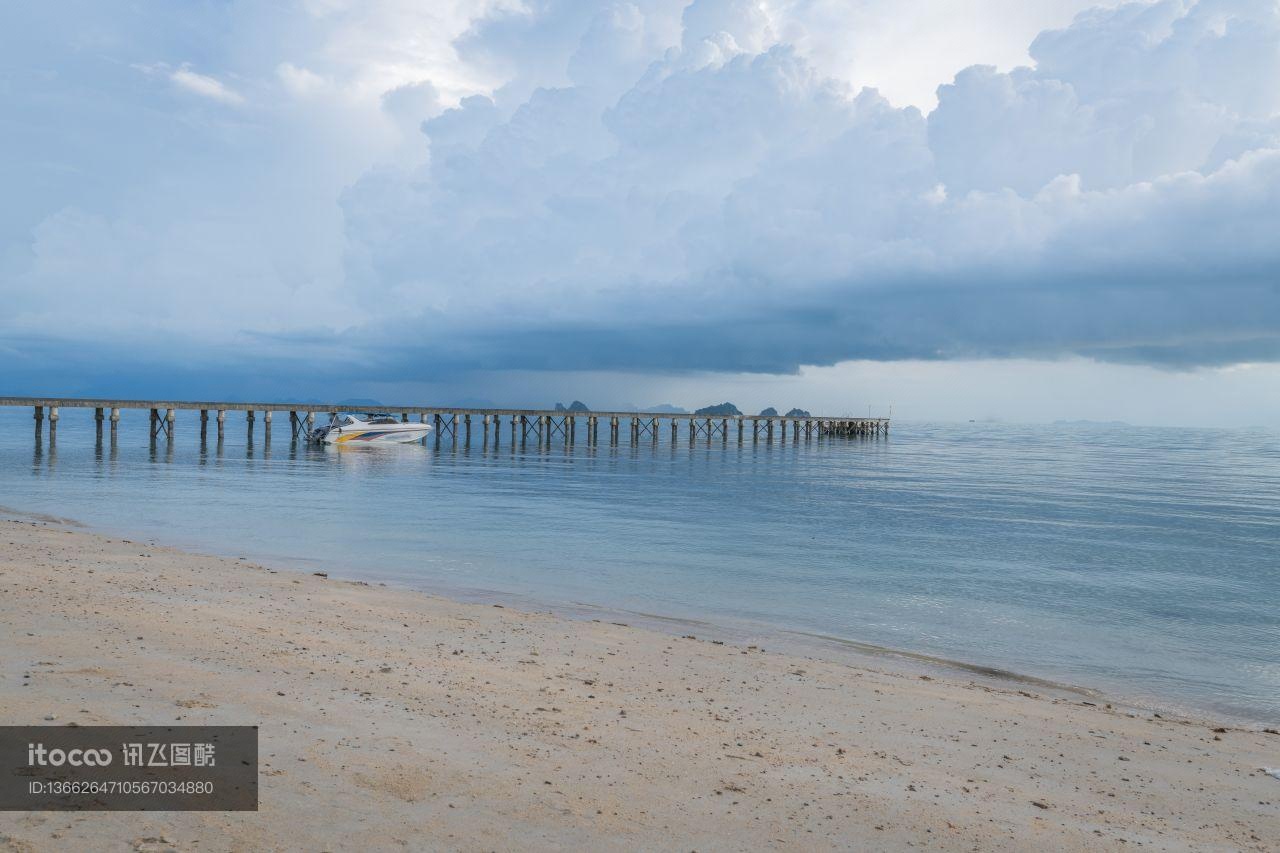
(366, 418)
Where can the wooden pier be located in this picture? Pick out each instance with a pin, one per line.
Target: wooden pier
(458, 425)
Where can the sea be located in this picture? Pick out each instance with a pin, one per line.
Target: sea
(1142, 564)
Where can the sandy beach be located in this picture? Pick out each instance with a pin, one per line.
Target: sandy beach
(397, 720)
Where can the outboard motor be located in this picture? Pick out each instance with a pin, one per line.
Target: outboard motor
(318, 434)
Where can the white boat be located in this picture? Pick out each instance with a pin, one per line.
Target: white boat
(369, 428)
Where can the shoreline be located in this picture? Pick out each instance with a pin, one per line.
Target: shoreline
(394, 718)
(793, 641)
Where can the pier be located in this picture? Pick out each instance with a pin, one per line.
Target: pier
(460, 425)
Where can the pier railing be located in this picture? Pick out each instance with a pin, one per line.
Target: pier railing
(456, 423)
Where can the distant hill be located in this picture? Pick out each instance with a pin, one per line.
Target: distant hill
(770, 412)
(668, 409)
(575, 406)
(798, 413)
(723, 409)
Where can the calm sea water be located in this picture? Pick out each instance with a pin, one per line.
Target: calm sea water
(1143, 562)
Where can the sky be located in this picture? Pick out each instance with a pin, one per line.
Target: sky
(1014, 209)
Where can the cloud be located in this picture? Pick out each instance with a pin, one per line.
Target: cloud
(372, 46)
(736, 209)
(205, 86)
(744, 24)
(301, 82)
(905, 48)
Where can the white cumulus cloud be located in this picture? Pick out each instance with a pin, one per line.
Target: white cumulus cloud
(205, 86)
(735, 207)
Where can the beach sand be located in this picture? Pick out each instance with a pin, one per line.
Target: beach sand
(393, 719)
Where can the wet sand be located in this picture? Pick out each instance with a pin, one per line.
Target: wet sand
(398, 720)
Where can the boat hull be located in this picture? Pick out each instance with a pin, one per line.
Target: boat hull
(389, 434)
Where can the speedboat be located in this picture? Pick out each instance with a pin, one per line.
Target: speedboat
(369, 428)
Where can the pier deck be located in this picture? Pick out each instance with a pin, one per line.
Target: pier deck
(456, 423)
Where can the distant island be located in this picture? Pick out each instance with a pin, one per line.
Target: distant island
(575, 406)
(729, 409)
(668, 408)
(723, 409)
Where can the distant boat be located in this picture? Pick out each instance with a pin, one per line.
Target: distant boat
(369, 428)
